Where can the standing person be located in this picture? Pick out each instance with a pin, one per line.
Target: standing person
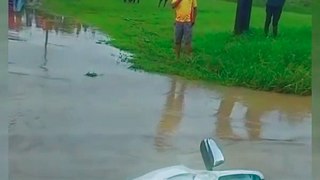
(185, 16)
(273, 12)
(165, 2)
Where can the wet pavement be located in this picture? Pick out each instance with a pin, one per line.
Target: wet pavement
(124, 123)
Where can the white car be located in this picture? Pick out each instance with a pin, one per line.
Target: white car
(183, 173)
(212, 157)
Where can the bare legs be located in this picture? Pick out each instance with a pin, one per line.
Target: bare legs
(183, 31)
(178, 50)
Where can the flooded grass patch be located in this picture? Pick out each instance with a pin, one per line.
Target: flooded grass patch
(281, 65)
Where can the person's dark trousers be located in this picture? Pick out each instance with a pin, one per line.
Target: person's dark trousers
(273, 14)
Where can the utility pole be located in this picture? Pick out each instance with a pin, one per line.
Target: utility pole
(243, 15)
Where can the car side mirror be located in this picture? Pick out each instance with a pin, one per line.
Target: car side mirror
(211, 154)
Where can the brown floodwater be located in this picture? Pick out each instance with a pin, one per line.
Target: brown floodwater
(124, 123)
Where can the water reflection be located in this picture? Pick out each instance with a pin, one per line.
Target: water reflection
(223, 124)
(263, 115)
(31, 17)
(45, 52)
(16, 5)
(172, 115)
(242, 115)
(15, 19)
(235, 120)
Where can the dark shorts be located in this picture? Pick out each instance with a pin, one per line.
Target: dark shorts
(183, 31)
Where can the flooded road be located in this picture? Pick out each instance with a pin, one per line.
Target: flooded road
(122, 123)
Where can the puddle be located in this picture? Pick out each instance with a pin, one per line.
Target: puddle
(50, 33)
(126, 123)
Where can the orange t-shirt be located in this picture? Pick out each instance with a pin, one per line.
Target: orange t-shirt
(184, 11)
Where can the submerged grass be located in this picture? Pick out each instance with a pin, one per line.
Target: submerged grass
(251, 60)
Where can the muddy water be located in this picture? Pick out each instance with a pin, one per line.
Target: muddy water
(122, 124)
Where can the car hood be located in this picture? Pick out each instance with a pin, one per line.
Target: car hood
(165, 173)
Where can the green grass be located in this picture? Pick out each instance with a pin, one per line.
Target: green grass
(300, 6)
(280, 65)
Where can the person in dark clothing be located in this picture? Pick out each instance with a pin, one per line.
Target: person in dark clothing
(165, 2)
(273, 13)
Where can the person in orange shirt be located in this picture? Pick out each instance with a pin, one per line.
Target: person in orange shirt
(185, 16)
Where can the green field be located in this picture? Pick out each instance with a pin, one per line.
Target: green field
(281, 65)
(300, 6)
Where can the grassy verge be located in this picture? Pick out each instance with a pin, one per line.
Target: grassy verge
(300, 6)
(281, 65)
